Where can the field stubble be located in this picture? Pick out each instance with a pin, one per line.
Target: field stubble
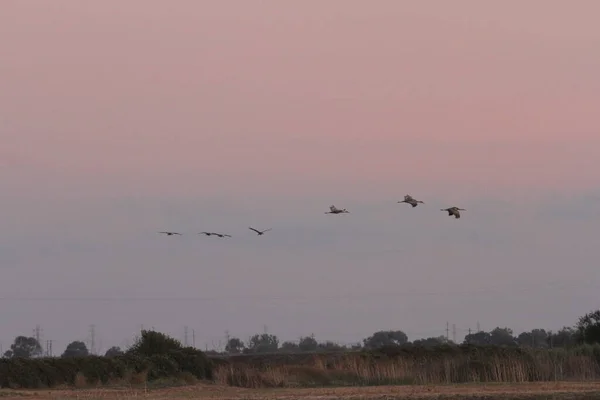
(201, 391)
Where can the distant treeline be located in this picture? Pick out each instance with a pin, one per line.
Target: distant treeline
(384, 357)
(586, 330)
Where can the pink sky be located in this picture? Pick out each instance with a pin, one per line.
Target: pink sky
(136, 95)
(121, 118)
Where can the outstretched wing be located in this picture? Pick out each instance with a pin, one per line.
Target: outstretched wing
(333, 208)
(251, 228)
(408, 197)
(267, 230)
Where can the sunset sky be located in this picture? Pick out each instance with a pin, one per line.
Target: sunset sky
(119, 119)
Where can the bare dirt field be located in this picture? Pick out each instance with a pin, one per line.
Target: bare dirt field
(538, 390)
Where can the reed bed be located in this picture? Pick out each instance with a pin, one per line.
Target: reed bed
(420, 367)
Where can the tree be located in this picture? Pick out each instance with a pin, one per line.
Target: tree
(331, 346)
(431, 341)
(385, 338)
(289, 347)
(588, 328)
(113, 352)
(263, 343)
(152, 343)
(537, 338)
(308, 343)
(565, 337)
(502, 337)
(76, 349)
(478, 338)
(234, 346)
(24, 347)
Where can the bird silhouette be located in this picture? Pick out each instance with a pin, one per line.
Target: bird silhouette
(259, 232)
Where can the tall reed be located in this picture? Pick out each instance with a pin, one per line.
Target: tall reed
(414, 366)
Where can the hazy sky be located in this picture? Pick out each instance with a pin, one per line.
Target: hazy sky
(119, 119)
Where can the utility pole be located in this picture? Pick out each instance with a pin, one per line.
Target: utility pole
(193, 338)
(37, 333)
(49, 348)
(447, 329)
(93, 339)
(454, 333)
(185, 336)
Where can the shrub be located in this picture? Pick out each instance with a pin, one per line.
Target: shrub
(153, 356)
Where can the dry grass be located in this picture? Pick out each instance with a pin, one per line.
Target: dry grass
(357, 370)
(537, 390)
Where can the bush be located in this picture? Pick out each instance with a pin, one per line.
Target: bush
(154, 356)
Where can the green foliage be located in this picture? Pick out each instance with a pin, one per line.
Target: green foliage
(565, 337)
(24, 347)
(152, 342)
(76, 349)
(156, 355)
(234, 346)
(114, 352)
(588, 327)
(263, 343)
(385, 338)
(308, 343)
(431, 341)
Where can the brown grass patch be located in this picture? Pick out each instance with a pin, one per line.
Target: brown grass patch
(536, 390)
(361, 370)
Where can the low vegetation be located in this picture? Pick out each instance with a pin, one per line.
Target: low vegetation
(155, 356)
(413, 365)
(385, 358)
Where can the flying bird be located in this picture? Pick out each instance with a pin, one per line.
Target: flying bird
(410, 200)
(213, 233)
(259, 232)
(171, 233)
(334, 210)
(453, 211)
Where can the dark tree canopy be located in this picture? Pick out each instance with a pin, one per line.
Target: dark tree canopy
(385, 338)
(431, 341)
(289, 347)
(565, 337)
(537, 338)
(588, 327)
(502, 337)
(113, 352)
(24, 347)
(308, 343)
(76, 349)
(234, 346)
(263, 343)
(153, 343)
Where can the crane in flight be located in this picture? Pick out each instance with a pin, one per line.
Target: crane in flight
(453, 211)
(411, 200)
(214, 233)
(334, 210)
(171, 233)
(259, 232)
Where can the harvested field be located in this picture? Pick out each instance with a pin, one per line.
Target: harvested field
(538, 390)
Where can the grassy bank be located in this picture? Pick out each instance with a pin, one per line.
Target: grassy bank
(411, 366)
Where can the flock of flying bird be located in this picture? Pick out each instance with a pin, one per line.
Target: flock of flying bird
(452, 211)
